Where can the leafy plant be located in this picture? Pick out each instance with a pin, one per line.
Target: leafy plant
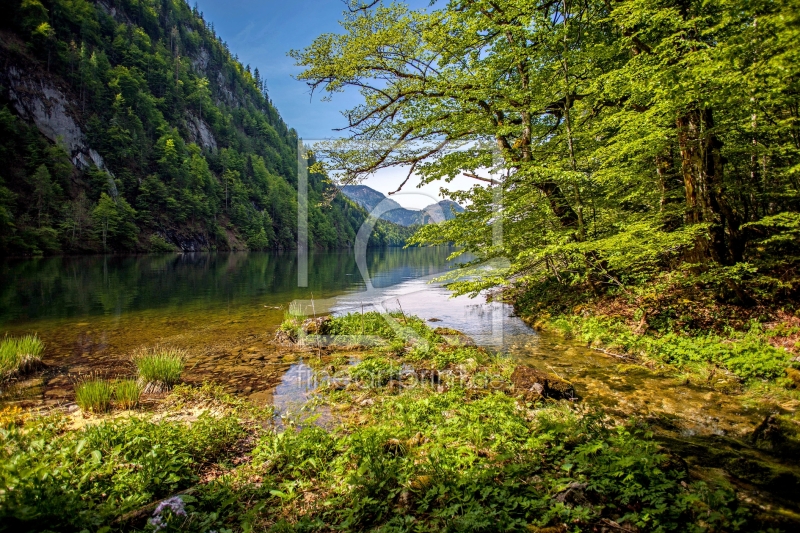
(375, 371)
(57, 480)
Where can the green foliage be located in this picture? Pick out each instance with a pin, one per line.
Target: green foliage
(305, 453)
(375, 371)
(451, 462)
(52, 480)
(114, 220)
(94, 394)
(19, 354)
(461, 459)
(159, 245)
(160, 365)
(369, 323)
(632, 138)
(444, 356)
(748, 354)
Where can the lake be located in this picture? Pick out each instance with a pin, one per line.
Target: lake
(95, 312)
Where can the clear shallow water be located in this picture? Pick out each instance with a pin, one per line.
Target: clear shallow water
(93, 312)
(600, 380)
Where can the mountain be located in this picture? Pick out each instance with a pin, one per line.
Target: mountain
(128, 126)
(369, 198)
(441, 211)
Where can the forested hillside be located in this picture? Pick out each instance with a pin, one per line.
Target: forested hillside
(128, 125)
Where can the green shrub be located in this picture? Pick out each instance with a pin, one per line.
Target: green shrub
(94, 395)
(159, 245)
(160, 368)
(127, 393)
(19, 355)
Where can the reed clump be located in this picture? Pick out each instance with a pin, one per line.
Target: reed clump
(93, 394)
(159, 368)
(20, 354)
(127, 393)
(293, 318)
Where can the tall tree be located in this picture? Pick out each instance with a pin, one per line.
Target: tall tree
(587, 117)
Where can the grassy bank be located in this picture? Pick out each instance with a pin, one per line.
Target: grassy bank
(422, 432)
(704, 339)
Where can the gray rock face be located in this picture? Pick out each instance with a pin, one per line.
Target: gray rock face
(227, 96)
(39, 101)
(200, 133)
(187, 243)
(200, 61)
(113, 12)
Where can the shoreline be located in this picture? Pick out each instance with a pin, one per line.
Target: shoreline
(398, 411)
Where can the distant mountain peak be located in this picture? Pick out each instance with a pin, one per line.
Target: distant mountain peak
(369, 198)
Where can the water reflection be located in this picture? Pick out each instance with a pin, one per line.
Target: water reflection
(93, 312)
(71, 287)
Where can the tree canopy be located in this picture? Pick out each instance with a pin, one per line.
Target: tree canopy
(613, 141)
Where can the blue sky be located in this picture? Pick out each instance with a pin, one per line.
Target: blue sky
(261, 32)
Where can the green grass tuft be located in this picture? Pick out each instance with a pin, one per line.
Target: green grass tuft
(160, 366)
(19, 355)
(127, 393)
(293, 318)
(94, 394)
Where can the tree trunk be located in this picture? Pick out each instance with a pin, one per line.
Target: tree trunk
(559, 204)
(702, 169)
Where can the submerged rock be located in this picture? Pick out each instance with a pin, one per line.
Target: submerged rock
(316, 326)
(284, 338)
(534, 384)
